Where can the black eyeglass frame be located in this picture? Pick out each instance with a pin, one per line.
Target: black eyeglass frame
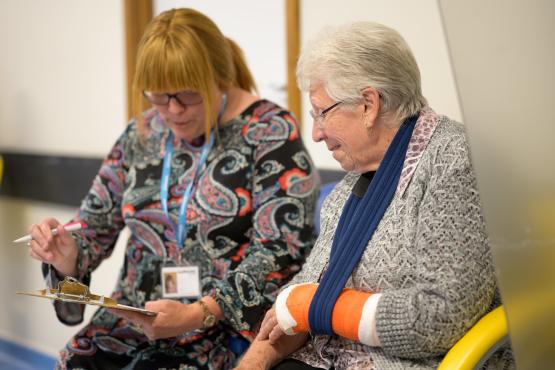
(319, 118)
(170, 96)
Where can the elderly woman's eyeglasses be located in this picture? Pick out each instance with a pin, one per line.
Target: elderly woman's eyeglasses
(183, 97)
(319, 118)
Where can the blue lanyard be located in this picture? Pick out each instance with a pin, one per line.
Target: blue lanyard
(181, 229)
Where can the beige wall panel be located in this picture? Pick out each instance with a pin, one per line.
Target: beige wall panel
(503, 53)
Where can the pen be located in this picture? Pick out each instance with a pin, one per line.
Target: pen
(72, 226)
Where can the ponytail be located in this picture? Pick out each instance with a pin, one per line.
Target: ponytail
(243, 76)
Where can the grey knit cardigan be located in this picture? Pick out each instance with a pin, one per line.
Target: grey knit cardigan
(429, 258)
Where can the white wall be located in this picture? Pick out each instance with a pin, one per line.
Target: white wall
(62, 92)
(62, 86)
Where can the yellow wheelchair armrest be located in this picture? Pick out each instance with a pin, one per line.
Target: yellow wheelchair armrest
(484, 338)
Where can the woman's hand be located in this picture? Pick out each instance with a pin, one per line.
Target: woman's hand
(270, 328)
(174, 318)
(270, 346)
(60, 250)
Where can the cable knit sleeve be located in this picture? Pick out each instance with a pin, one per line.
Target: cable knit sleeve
(453, 275)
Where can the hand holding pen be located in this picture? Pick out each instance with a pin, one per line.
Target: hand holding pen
(72, 226)
(51, 242)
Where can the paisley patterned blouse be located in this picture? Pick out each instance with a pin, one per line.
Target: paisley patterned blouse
(250, 225)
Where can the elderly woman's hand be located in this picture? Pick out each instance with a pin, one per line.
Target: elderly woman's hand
(270, 345)
(270, 328)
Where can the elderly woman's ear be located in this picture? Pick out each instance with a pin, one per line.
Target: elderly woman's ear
(371, 101)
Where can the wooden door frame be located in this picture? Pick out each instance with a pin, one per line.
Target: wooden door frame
(293, 36)
(137, 14)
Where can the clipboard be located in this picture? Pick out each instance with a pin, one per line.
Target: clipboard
(73, 291)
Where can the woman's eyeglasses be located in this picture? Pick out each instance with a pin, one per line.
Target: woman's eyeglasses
(319, 118)
(183, 97)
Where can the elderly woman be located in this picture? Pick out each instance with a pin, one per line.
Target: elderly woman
(402, 267)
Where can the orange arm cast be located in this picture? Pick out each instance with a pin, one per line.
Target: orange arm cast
(352, 314)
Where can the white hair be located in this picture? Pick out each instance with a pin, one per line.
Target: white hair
(350, 58)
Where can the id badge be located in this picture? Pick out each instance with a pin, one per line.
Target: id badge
(181, 281)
